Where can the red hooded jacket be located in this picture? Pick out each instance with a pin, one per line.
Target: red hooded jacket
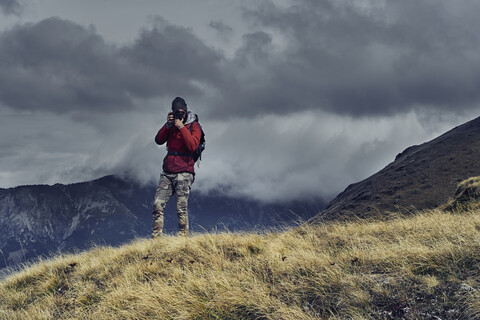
(180, 141)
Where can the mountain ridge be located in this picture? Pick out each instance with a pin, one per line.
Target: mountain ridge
(420, 177)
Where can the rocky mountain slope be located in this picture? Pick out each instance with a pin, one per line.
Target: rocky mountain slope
(421, 177)
(37, 220)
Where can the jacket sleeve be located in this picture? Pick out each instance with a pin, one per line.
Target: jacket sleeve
(191, 140)
(162, 135)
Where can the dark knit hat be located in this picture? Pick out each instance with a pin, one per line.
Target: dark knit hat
(179, 103)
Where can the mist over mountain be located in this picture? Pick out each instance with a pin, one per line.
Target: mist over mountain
(39, 219)
(421, 177)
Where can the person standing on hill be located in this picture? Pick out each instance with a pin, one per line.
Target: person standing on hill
(182, 133)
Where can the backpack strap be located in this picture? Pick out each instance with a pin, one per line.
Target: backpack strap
(174, 153)
(191, 125)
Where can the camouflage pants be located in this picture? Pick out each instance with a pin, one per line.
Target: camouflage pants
(170, 184)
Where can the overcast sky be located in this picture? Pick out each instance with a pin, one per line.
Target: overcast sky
(297, 98)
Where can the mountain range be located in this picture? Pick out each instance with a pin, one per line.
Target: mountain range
(37, 220)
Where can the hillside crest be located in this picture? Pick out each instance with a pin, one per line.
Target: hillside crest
(421, 177)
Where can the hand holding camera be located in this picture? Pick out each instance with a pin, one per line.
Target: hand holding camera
(176, 118)
(170, 120)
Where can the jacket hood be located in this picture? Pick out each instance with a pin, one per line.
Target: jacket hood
(191, 117)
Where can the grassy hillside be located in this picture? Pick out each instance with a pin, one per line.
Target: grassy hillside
(420, 267)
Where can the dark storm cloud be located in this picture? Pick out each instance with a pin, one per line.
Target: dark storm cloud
(10, 7)
(172, 58)
(224, 31)
(338, 56)
(60, 66)
(361, 60)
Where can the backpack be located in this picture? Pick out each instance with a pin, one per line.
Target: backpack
(197, 155)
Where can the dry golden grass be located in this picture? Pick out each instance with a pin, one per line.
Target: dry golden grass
(466, 197)
(412, 268)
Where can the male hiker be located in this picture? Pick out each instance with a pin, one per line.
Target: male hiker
(182, 133)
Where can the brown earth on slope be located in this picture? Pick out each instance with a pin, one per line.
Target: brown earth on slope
(421, 177)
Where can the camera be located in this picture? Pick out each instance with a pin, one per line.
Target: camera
(178, 114)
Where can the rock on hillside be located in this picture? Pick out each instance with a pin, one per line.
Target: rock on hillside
(421, 177)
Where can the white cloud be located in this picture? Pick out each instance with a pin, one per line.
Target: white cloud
(305, 154)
